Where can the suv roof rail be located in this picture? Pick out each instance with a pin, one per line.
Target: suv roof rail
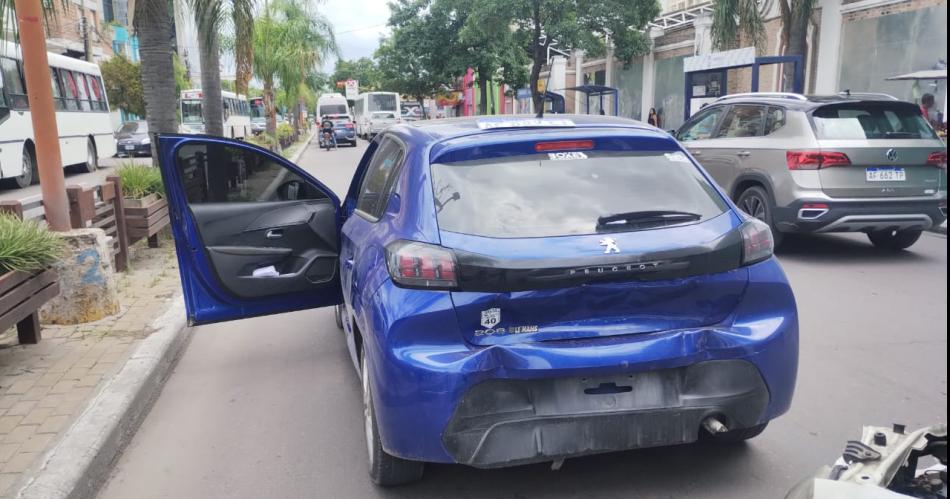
(774, 95)
(879, 95)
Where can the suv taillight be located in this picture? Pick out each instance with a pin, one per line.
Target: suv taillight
(938, 159)
(815, 160)
(757, 242)
(421, 265)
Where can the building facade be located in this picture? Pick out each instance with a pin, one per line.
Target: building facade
(77, 20)
(852, 45)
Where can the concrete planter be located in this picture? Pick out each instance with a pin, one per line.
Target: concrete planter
(145, 218)
(21, 296)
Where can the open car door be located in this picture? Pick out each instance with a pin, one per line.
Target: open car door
(255, 234)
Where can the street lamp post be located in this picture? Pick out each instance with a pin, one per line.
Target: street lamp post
(45, 132)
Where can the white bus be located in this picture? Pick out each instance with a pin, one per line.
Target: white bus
(82, 116)
(374, 111)
(332, 104)
(237, 113)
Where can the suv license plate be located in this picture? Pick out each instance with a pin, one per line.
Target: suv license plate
(885, 174)
(129, 148)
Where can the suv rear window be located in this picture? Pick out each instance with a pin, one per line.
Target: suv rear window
(871, 120)
(565, 193)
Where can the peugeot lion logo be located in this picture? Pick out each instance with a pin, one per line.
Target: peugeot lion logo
(610, 246)
(891, 154)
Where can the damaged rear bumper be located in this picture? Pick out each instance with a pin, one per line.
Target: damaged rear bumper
(440, 399)
(510, 422)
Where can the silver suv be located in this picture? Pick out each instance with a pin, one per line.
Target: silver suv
(845, 163)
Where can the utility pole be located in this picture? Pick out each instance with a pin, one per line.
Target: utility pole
(86, 39)
(29, 15)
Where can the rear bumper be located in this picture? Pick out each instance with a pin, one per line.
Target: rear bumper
(862, 215)
(510, 422)
(429, 383)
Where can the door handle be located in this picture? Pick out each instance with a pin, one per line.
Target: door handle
(274, 234)
(743, 154)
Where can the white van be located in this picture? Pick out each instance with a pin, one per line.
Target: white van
(375, 111)
(332, 104)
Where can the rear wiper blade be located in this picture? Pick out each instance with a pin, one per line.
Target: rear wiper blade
(646, 217)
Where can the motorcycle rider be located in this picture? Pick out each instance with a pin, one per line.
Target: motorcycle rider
(326, 127)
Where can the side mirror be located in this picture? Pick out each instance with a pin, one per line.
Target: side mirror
(291, 190)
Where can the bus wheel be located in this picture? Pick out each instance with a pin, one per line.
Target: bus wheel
(92, 158)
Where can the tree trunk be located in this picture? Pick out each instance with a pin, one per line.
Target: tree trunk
(269, 108)
(482, 92)
(153, 25)
(422, 105)
(796, 38)
(212, 108)
(538, 58)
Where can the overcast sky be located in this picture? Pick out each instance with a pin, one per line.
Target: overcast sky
(358, 25)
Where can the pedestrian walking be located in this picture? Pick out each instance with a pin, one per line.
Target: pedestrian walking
(653, 118)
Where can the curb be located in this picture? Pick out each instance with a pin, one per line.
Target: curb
(303, 147)
(81, 461)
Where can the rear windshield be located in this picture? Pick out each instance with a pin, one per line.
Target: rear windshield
(871, 120)
(134, 127)
(566, 193)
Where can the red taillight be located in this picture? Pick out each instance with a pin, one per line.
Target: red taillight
(564, 145)
(938, 159)
(757, 242)
(349, 125)
(814, 160)
(421, 265)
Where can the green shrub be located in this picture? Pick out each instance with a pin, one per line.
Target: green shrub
(285, 133)
(26, 245)
(138, 181)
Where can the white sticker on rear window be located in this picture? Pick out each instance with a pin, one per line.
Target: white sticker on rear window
(562, 156)
(677, 156)
(488, 124)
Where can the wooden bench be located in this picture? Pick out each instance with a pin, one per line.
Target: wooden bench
(21, 296)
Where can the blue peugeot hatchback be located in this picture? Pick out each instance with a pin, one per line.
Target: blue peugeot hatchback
(512, 290)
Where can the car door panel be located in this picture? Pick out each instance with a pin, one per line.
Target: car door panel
(255, 235)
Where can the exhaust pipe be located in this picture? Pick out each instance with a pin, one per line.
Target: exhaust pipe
(714, 426)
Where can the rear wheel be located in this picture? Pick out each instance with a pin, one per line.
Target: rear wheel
(894, 240)
(756, 202)
(92, 157)
(384, 469)
(29, 175)
(735, 436)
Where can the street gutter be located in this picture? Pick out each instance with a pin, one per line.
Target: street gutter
(80, 463)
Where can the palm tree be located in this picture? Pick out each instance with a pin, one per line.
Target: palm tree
(732, 18)
(211, 18)
(152, 22)
(290, 41)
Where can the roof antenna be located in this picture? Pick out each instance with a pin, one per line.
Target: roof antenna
(546, 82)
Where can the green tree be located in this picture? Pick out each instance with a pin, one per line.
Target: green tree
(584, 24)
(363, 70)
(291, 40)
(735, 18)
(212, 17)
(123, 82)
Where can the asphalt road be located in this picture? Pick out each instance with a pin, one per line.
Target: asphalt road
(106, 167)
(270, 407)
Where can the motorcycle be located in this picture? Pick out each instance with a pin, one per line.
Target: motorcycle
(329, 139)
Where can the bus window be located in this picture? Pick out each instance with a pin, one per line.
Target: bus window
(57, 90)
(69, 89)
(191, 111)
(13, 85)
(84, 101)
(98, 102)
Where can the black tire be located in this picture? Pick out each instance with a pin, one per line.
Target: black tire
(384, 469)
(30, 173)
(92, 157)
(757, 202)
(338, 315)
(894, 240)
(735, 436)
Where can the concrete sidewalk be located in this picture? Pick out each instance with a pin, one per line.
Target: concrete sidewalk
(44, 387)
